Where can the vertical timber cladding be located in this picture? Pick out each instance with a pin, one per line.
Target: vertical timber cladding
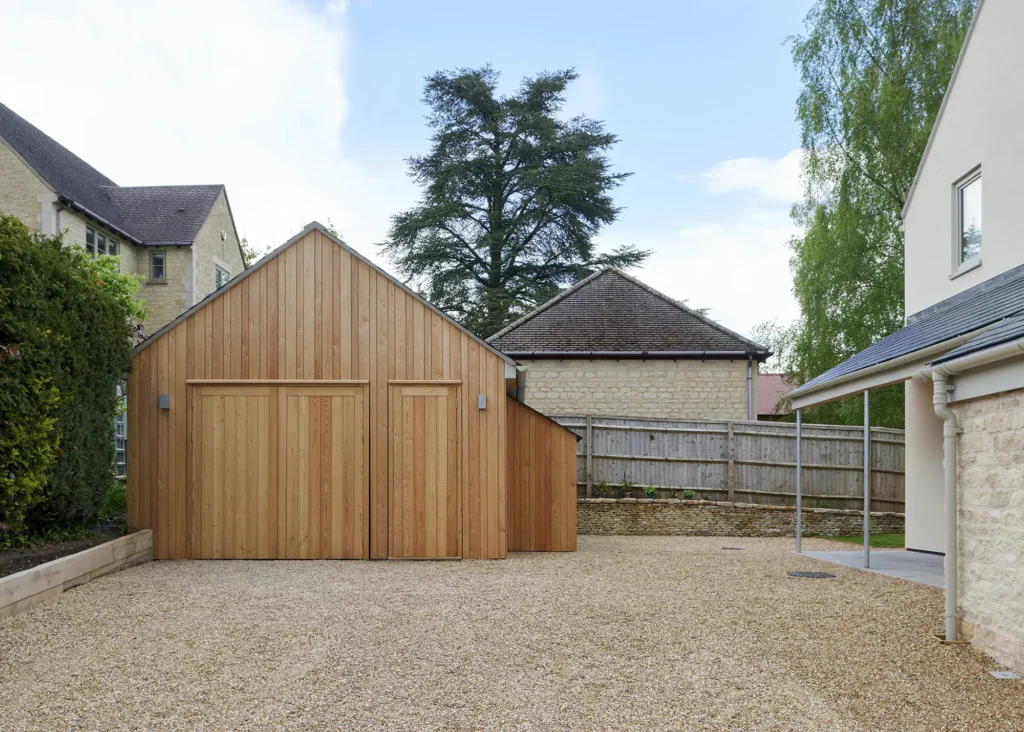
(279, 472)
(541, 482)
(313, 311)
(423, 449)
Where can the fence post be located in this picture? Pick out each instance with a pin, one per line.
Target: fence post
(730, 449)
(590, 456)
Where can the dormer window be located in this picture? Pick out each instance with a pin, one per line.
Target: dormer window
(968, 234)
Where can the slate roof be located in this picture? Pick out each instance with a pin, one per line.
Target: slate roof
(150, 215)
(610, 313)
(977, 307)
(164, 214)
(64, 171)
(1008, 330)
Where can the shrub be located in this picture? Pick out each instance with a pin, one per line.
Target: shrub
(115, 502)
(67, 324)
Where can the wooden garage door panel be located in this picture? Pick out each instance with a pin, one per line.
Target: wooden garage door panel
(423, 471)
(233, 512)
(324, 490)
(280, 472)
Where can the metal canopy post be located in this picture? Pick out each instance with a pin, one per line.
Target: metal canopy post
(867, 479)
(798, 492)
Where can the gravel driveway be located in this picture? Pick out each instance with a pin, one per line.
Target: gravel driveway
(628, 632)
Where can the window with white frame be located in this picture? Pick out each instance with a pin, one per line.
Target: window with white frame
(220, 277)
(158, 266)
(99, 243)
(968, 220)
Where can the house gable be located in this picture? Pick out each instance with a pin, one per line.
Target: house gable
(976, 134)
(316, 226)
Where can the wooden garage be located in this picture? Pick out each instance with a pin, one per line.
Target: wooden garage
(317, 408)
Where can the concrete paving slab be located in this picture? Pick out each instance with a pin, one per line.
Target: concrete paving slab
(925, 569)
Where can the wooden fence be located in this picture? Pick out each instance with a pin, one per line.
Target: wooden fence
(751, 462)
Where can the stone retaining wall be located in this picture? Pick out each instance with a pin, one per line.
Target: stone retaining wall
(670, 517)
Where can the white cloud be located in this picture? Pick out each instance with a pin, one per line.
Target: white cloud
(738, 267)
(735, 263)
(773, 179)
(249, 93)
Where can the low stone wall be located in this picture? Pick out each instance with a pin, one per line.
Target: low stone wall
(22, 590)
(669, 517)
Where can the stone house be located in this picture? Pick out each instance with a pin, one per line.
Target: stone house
(612, 346)
(182, 239)
(961, 353)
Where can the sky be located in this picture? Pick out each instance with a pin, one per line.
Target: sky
(307, 110)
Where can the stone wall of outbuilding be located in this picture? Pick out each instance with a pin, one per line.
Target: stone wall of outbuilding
(990, 459)
(659, 389)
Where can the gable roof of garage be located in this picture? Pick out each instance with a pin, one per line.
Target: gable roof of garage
(307, 229)
(612, 315)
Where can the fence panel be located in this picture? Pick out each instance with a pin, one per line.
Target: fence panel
(753, 462)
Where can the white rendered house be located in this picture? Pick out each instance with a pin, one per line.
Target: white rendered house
(961, 354)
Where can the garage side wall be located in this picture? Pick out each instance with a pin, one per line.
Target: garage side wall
(314, 312)
(541, 482)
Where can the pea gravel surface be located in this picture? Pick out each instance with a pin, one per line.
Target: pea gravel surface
(629, 632)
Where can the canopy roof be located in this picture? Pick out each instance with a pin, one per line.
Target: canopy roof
(929, 334)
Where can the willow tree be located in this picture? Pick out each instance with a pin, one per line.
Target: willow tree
(873, 74)
(513, 195)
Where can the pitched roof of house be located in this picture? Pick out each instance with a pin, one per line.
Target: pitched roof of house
(148, 215)
(164, 214)
(770, 390)
(610, 314)
(975, 308)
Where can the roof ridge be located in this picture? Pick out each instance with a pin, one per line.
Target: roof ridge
(183, 185)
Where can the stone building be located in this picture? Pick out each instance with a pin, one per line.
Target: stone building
(612, 346)
(961, 353)
(181, 239)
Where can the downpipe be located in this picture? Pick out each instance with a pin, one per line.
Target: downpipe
(950, 430)
(750, 390)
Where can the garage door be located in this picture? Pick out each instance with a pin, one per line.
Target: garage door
(423, 471)
(279, 472)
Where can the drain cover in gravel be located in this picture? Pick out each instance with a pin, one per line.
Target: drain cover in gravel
(812, 575)
(733, 548)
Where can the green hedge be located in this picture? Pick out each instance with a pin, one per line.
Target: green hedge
(67, 324)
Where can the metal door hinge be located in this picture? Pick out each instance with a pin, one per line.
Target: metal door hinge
(456, 403)
(192, 436)
(362, 437)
